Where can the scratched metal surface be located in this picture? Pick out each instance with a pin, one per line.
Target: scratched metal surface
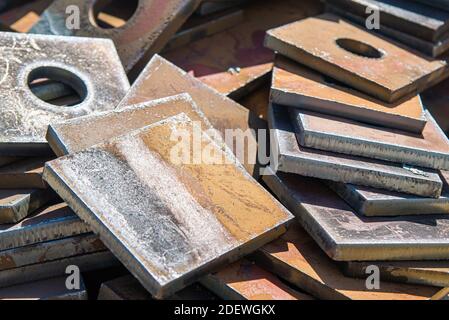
(430, 273)
(430, 149)
(24, 174)
(49, 223)
(201, 215)
(77, 134)
(296, 258)
(377, 202)
(408, 73)
(419, 20)
(289, 156)
(49, 251)
(298, 86)
(24, 117)
(161, 78)
(16, 204)
(346, 236)
(137, 40)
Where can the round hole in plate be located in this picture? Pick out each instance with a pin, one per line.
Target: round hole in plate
(57, 86)
(359, 48)
(109, 14)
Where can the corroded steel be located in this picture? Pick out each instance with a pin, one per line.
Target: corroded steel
(24, 174)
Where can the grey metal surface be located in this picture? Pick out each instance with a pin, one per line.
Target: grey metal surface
(168, 222)
(289, 156)
(430, 149)
(49, 223)
(24, 174)
(17, 204)
(90, 66)
(346, 236)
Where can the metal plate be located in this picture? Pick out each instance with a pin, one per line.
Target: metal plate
(161, 79)
(235, 62)
(48, 223)
(24, 174)
(289, 156)
(364, 63)
(377, 202)
(298, 86)
(429, 149)
(137, 40)
(200, 213)
(17, 204)
(257, 102)
(24, 117)
(244, 280)
(346, 236)
(430, 273)
(78, 134)
(48, 289)
(296, 258)
(50, 251)
(212, 6)
(412, 18)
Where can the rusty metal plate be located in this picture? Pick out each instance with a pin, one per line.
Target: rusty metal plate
(169, 248)
(23, 117)
(48, 289)
(161, 79)
(244, 280)
(296, 258)
(289, 156)
(377, 202)
(432, 49)
(213, 6)
(430, 273)
(16, 204)
(257, 102)
(78, 134)
(7, 160)
(24, 174)
(48, 223)
(137, 40)
(429, 149)
(298, 86)
(50, 251)
(235, 62)
(353, 56)
(415, 19)
(86, 263)
(197, 28)
(346, 236)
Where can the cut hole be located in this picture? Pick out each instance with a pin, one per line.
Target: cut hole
(57, 86)
(109, 14)
(359, 48)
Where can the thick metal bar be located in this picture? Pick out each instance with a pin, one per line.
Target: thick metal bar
(354, 56)
(289, 156)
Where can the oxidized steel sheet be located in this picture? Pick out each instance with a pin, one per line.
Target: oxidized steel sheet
(86, 262)
(24, 174)
(298, 86)
(137, 40)
(212, 6)
(415, 19)
(17, 204)
(257, 102)
(50, 251)
(167, 221)
(24, 117)
(429, 149)
(161, 79)
(48, 289)
(49, 223)
(7, 160)
(430, 273)
(296, 258)
(78, 134)
(377, 202)
(288, 156)
(375, 66)
(235, 62)
(244, 280)
(346, 236)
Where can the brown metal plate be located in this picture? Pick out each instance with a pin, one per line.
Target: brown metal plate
(355, 57)
(24, 174)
